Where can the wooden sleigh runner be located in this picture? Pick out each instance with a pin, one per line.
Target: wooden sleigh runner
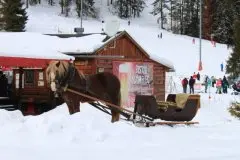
(172, 112)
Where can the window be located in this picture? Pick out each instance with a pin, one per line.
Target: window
(29, 76)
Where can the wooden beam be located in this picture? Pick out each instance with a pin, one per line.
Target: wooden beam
(79, 55)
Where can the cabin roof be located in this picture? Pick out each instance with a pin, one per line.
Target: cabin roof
(98, 42)
(28, 50)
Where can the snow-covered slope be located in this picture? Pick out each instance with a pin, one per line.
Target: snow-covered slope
(145, 30)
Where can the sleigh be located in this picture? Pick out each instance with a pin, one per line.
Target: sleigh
(178, 108)
(148, 109)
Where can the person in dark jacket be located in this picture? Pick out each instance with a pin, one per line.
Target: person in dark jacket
(191, 84)
(3, 85)
(225, 84)
(198, 76)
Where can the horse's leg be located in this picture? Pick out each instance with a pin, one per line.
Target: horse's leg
(115, 113)
(76, 106)
(69, 101)
(70, 106)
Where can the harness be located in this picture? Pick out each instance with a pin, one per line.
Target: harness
(67, 79)
(64, 84)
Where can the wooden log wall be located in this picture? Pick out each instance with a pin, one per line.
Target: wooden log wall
(86, 66)
(123, 46)
(159, 81)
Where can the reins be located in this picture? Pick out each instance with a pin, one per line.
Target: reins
(107, 103)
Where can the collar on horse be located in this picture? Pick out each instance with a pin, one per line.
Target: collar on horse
(68, 78)
(65, 82)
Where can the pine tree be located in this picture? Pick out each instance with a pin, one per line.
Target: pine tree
(137, 7)
(177, 16)
(129, 8)
(123, 9)
(191, 18)
(88, 8)
(223, 19)
(158, 7)
(14, 16)
(1, 15)
(233, 63)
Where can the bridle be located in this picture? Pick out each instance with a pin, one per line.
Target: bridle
(62, 83)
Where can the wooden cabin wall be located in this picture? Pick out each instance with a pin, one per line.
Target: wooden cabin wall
(36, 91)
(86, 66)
(159, 81)
(125, 47)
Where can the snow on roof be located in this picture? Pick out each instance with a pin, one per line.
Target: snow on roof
(36, 45)
(85, 44)
(90, 43)
(162, 61)
(30, 45)
(153, 56)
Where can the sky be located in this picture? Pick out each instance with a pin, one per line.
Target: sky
(90, 134)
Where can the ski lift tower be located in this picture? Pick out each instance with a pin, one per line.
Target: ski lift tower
(81, 29)
(200, 38)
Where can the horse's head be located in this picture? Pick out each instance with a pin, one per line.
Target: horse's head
(55, 73)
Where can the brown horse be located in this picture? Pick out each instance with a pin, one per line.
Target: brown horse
(105, 86)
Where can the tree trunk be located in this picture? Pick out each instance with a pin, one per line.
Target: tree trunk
(27, 3)
(171, 13)
(161, 8)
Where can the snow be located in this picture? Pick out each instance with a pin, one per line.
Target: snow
(90, 134)
(26, 45)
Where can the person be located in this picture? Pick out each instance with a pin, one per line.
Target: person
(206, 83)
(191, 84)
(129, 22)
(184, 85)
(225, 85)
(219, 86)
(198, 76)
(221, 67)
(236, 86)
(213, 79)
(3, 85)
(193, 40)
(9, 86)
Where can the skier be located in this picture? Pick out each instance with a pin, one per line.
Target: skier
(225, 84)
(221, 67)
(184, 85)
(206, 83)
(191, 84)
(219, 86)
(198, 76)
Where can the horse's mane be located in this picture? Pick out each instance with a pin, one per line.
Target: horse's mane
(62, 69)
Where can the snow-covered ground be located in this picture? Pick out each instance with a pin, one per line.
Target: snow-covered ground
(90, 134)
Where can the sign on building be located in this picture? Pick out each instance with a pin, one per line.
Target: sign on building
(136, 78)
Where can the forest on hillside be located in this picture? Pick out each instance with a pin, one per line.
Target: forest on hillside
(178, 16)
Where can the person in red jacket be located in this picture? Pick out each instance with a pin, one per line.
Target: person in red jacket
(184, 85)
(219, 86)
